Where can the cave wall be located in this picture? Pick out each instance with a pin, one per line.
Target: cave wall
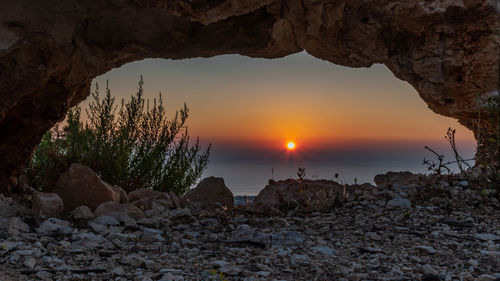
(50, 51)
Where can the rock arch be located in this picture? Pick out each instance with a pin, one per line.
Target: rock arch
(51, 50)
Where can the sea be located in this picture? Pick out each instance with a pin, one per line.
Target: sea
(250, 179)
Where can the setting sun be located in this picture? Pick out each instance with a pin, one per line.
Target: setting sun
(290, 145)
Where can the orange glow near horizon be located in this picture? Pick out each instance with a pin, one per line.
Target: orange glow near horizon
(290, 145)
(258, 103)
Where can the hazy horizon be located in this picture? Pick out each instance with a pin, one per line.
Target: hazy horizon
(360, 120)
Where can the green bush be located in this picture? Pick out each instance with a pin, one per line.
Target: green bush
(133, 147)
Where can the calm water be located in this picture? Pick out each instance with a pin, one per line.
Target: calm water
(248, 175)
(250, 179)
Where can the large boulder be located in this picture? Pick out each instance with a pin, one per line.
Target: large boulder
(79, 185)
(46, 205)
(308, 195)
(211, 192)
(390, 179)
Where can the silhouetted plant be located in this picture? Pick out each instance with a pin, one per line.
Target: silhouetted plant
(437, 168)
(301, 173)
(134, 147)
(440, 167)
(488, 136)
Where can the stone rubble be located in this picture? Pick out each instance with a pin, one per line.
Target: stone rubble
(446, 233)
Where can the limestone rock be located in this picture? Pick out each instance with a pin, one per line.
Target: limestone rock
(399, 178)
(179, 213)
(79, 185)
(113, 207)
(54, 225)
(82, 213)
(15, 226)
(105, 220)
(288, 194)
(6, 210)
(142, 193)
(211, 192)
(327, 251)
(145, 199)
(123, 198)
(399, 202)
(51, 50)
(46, 205)
(487, 237)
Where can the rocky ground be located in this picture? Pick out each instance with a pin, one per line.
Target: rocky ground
(401, 229)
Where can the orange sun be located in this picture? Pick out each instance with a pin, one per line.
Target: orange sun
(290, 145)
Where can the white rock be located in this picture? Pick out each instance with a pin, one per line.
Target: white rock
(219, 263)
(178, 213)
(230, 270)
(29, 262)
(263, 273)
(171, 277)
(53, 225)
(399, 202)
(464, 183)
(485, 277)
(426, 249)
(106, 220)
(428, 269)
(487, 236)
(327, 251)
(299, 259)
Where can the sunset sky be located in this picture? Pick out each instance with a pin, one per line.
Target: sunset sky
(250, 108)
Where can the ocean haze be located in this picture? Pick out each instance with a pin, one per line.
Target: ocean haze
(247, 169)
(358, 122)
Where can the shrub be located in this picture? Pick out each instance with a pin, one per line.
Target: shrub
(133, 147)
(488, 151)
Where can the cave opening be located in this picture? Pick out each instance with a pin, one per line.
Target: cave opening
(355, 121)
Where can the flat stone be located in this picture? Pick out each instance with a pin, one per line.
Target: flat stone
(426, 249)
(179, 213)
(487, 237)
(230, 270)
(297, 259)
(106, 208)
(54, 225)
(327, 251)
(118, 271)
(106, 220)
(463, 183)
(399, 202)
